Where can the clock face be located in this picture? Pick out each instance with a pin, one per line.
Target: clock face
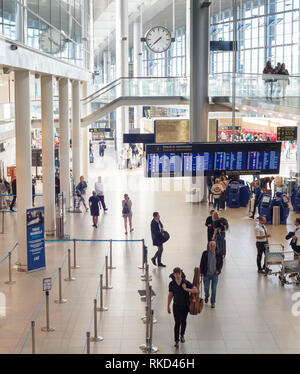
(52, 41)
(158, 39)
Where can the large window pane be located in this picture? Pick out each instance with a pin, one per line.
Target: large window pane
(9, 18)
(44, 10)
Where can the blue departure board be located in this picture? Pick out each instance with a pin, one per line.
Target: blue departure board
(195, 159)
(230, 161)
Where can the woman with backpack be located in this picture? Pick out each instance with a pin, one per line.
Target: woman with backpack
(127, 212)
(217, 191)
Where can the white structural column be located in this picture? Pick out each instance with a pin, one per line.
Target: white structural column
(76, 155)
(121, 66)
(188, 33)
(21, 21)
(106, 66)
(199, 55)
(48, 153)
(64, 139)
(137, 65)
(23, 159)
(84, 137)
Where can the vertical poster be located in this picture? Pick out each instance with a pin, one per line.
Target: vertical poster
(36, 258)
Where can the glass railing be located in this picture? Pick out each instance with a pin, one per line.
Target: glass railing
(254, 85)
(138, 87)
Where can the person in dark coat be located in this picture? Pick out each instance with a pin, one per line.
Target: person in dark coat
(210, 226)
(157, 239)
(14, 192)
(95, 206)
(179, 291)
(210, 267)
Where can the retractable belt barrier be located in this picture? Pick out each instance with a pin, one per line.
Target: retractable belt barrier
(147, 348)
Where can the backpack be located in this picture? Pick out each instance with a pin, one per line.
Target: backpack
(224, 224)
(217, 189)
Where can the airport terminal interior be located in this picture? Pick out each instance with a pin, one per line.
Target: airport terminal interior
(123, 125)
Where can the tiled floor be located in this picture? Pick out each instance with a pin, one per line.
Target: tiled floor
(252, 315)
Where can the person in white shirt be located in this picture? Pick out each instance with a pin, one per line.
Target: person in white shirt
(100, 192)
(296, 237)
(261, 241)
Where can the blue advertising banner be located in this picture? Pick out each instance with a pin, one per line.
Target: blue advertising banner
(36, 258)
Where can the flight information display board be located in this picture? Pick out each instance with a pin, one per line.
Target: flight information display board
(184, 160)
(286, 133)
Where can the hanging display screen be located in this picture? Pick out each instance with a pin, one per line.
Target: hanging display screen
(183, 160)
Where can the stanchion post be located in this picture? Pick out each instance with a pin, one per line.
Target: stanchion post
(88, 341)
(33, 336)
(60, 299)
(143, 257)
(10, 281)
(2, 223)
(75, 266)
(101, 308)
(96, 338)
(70, 278)
(111, 267)
(47, 328)
(144, 347)
(151, 348)
(106, 287)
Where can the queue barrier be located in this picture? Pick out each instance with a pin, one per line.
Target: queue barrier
(8, 256)
(148, 347)
(31, 330)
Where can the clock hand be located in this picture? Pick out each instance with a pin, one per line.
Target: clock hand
(156, 41)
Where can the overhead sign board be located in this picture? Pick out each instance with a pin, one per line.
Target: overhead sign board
(287, 133)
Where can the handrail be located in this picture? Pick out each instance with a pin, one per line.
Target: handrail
(124, 78)
(254, 74)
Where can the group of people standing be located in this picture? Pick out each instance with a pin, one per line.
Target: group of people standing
(273, 84)
(217, 191)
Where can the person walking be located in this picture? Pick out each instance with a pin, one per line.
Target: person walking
(219, 235)
(102, 146)
(95, 206)
(99, 188)
(209, 223)
(257, 193)
(157, 239)
(209, 182)
(3, 191)
(179, 291)
(283, 82)
(296, 237)
(33, 190)
(14, 193)
(268, 70)
(57, 187)
(81, 191)
(127, 212)
(261, 242)
(129, 158)
(210, 268)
